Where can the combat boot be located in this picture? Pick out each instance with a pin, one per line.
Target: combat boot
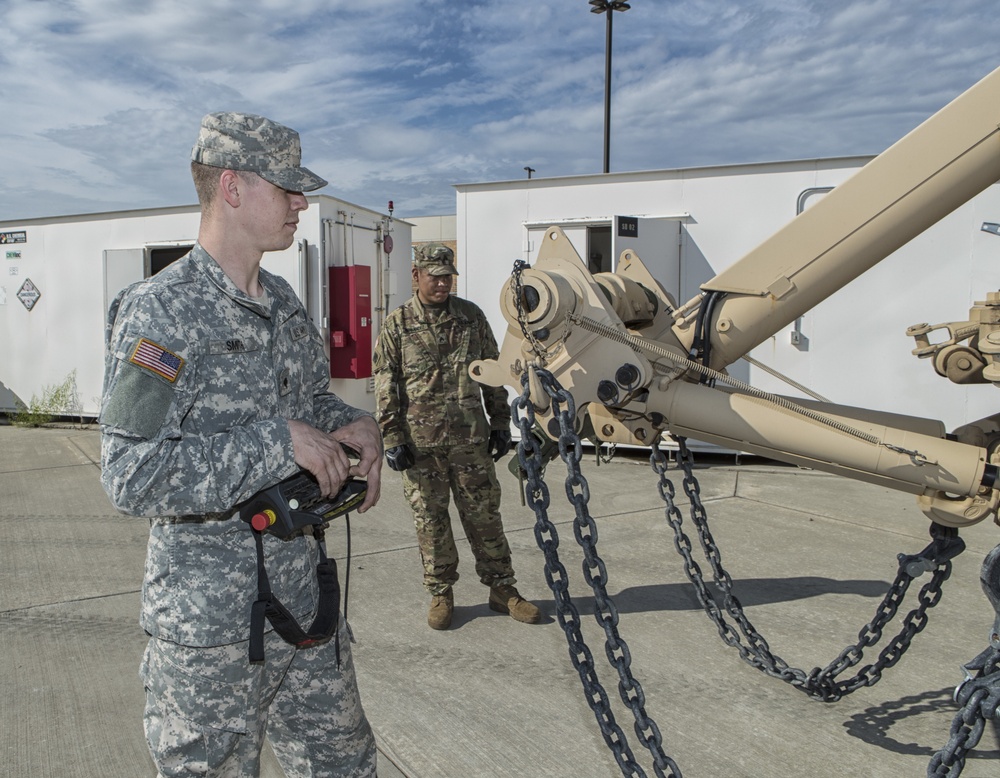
(506, 599)
(442, 607)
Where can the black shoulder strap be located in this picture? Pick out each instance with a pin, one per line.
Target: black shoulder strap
(269, 607)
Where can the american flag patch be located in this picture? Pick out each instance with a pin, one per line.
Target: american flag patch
(156, 358)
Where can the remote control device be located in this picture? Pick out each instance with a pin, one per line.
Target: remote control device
(296, 503)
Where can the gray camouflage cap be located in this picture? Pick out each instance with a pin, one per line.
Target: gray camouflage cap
(243, 141)
(437, 259)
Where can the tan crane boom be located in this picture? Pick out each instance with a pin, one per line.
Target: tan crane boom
(638, 365)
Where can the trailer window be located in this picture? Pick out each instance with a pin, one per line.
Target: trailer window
(159, 258)
(599, 249)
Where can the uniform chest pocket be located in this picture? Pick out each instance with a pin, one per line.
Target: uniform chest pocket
(295, 347)
(463, 346)
(420, 351)
(469, 347)
(230, 356)
(232, 378)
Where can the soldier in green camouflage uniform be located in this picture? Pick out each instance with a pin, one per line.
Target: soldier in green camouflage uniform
(217, 386)
(436, 434)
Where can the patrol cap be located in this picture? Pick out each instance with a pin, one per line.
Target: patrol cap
(437, 259)
(243, 141)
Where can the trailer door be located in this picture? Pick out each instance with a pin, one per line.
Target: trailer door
(657, 242)
(121, 268)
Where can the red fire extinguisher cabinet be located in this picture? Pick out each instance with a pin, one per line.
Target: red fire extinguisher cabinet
(350, 321)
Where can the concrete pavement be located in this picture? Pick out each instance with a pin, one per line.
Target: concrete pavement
(810, 554)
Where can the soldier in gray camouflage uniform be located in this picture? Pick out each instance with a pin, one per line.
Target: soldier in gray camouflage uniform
(216, 386)
(437, 435)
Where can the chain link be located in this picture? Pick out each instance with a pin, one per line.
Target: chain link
(517, 288)
(595, 573)
(979, 697)
(819, 683)
(979, 694)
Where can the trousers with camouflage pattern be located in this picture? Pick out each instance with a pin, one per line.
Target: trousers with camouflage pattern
(466, 472)
(208, 710)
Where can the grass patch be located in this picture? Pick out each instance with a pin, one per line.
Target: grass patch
(56, 400)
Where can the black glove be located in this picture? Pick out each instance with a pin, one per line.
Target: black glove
(400, 458)
(499, 444)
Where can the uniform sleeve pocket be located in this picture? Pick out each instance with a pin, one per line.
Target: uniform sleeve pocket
(138, 402)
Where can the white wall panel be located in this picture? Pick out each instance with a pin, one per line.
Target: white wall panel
(855, 349)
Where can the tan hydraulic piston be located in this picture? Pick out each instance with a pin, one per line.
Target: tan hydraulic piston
(943, 163)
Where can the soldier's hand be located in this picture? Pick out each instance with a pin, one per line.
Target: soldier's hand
(499, 444)
(362, 436)
(320, 454)
(400, 458)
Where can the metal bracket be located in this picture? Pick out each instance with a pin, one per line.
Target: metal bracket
(945, 545)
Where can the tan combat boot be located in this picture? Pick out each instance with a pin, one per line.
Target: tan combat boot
(442, 606)
(506, 599)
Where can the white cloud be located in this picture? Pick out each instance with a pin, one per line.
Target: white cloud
(400, 99)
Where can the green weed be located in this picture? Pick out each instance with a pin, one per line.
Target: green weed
(56, 401)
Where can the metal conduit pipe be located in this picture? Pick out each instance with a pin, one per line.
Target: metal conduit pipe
(805, 194)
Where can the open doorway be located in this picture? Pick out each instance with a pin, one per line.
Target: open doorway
(599, 259)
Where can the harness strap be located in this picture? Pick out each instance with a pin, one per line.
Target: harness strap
(269, 607)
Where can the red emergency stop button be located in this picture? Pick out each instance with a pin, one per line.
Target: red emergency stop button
(261, 521)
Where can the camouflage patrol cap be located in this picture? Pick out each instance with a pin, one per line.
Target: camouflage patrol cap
(243, 141)
(437, 259)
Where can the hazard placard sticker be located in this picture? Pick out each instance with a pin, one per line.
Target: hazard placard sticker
(28, 294)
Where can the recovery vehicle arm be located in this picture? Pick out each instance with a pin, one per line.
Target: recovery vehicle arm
(638, 365)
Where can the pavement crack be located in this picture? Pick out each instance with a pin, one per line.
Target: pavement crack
(75, 600)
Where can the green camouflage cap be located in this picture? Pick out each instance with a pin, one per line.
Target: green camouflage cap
(243, 141)
(437, 259)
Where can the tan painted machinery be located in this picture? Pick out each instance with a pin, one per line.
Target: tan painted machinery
(638, 364)
(612, 358)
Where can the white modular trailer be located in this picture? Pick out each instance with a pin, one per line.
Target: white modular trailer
(60, 274)
(688, 225)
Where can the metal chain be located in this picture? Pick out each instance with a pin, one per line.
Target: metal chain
(979, 694)
(979, 697)
(517, 287)
(819, 683)
(595, 573)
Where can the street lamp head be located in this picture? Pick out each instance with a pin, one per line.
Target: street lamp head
(600, 6)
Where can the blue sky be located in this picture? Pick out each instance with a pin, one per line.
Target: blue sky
(401, 99)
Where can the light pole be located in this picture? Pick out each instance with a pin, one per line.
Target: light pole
(609, 7)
